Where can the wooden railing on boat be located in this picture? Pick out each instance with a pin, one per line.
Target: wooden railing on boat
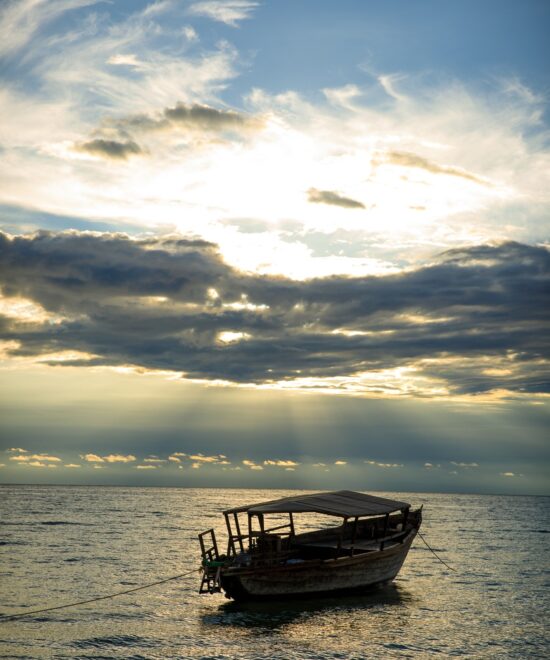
(278, 544)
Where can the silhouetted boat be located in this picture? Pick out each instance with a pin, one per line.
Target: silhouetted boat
(366, 549)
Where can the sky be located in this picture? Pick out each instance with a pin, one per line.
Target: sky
(275, 244)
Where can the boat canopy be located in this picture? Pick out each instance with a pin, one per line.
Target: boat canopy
(343, 503)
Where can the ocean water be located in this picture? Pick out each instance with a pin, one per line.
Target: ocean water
(62, 544)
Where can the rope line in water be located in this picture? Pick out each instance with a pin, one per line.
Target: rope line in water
(7, 617)
(435, 553)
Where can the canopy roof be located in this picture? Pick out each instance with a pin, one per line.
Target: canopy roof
(343, 503)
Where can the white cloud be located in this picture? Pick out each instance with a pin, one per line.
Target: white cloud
(20, 21)
(415, 179)
(26, 458)
(146, 467)
(72, 465)
(224, 11)
(281, 463)
(124, 60)
(200, 458)
(119, 458)
(111, 458)
(251, 465)
(190, 33)
(340, 462)
(91, 458)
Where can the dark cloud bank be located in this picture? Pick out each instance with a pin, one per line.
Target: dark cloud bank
(151, 303)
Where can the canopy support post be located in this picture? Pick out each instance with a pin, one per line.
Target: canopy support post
(386, 520)
(238, 528)
(354, 534)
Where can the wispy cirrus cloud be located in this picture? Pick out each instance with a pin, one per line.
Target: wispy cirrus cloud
(20, 21)
(224, 11)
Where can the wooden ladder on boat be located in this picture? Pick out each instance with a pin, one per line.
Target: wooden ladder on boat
(211, 564)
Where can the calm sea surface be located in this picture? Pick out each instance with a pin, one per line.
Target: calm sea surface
(61, 544)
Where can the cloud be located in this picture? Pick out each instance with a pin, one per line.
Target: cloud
(207, 118)
(224, 11)
(407, 159)
(332, 198)
(27, 458)
(252, 465)
(340, 462)
(384, 465)
(72, 465)
(125, 60)
(200, 458)
(92, 458)
(20, 21)
(146, 467)
(111, 458)
(194, 119)
(280, 463)
(18, 449)
(110, 148)
(471, 321)
(119, 458)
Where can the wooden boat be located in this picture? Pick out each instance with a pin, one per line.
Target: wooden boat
(367, 547)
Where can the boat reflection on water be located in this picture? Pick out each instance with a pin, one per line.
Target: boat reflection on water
(276, 613)
(340, 618)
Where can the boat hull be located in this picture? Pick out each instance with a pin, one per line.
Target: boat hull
(314, 578)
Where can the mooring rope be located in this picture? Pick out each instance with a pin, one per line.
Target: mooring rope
(7, 617)
(435, 553)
